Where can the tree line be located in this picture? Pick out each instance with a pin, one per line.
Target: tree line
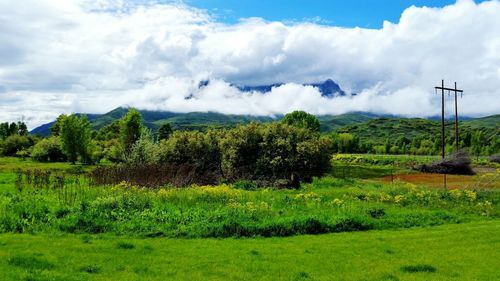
(475, 141)
(128, 141)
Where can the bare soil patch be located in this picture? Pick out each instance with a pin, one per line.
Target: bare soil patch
(479, 181)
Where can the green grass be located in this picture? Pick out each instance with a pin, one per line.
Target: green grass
(47, 233)
(10, 164)
(365, 166)
(324, 206)
(451, 252)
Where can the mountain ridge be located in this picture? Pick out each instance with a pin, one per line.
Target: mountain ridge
(357, 122)
(327, 88)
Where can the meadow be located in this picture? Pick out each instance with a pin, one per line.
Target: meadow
(57, 225)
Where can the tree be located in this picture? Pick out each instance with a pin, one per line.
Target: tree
(240, 150)
(130, 129)
(345, 143)
(164, 131)
(13, 129)
(4, 130)
(477, 142)
(302, 119)
(56, 128)
(22, 129)
(387, 146)
(144, 151)
(75, 136)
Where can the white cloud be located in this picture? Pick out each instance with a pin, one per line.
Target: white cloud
(91, 56)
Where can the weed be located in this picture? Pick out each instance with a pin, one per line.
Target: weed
(245, 185)
(418, 268)
(30, 262)
(389, 277)
(86, 239)
(148, 249)
(125, 245)
(376, 212)
(302, 275)
(91, 268)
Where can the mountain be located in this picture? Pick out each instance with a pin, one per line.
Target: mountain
(203, 120)
(179, 121)
(327, 88)
(365, 125)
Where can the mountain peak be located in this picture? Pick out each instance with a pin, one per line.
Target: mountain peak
(328, 88)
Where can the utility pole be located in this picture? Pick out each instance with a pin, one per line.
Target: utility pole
(443, 143)
(457, 139)
(456, 91)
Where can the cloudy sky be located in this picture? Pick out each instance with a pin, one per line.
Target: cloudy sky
(63, 56)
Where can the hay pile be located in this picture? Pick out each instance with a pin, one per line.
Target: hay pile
(457, 163)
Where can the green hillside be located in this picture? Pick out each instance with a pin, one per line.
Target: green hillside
(204, 120)
(380, 129)
(490, 122)
(332, 122)
(366, 126)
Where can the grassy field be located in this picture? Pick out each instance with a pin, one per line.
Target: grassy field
(10, 164)
(324, 206)
(452, 252)
(367, 228)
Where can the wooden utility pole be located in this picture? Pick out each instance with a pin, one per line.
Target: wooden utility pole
(456, 91)
(457, 139)
(443, 143)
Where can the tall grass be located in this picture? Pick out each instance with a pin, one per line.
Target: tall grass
(66, 203)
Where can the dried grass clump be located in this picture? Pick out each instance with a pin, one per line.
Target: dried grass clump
(457, 163)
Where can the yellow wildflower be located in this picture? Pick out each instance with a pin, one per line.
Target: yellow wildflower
(399, 199)
(470, 194)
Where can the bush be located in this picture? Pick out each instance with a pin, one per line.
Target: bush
(144, 151)
(48, 150)
(274, 152)
(12, 144)
(194, 150)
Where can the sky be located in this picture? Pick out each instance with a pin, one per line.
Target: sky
(352, 13)
(64, 56)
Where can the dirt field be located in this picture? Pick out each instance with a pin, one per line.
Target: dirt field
(479, 181)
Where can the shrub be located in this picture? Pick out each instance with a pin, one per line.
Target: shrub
(274, 152)
(197, 150)
(48, 150)
(12, 144)
(143, 151)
